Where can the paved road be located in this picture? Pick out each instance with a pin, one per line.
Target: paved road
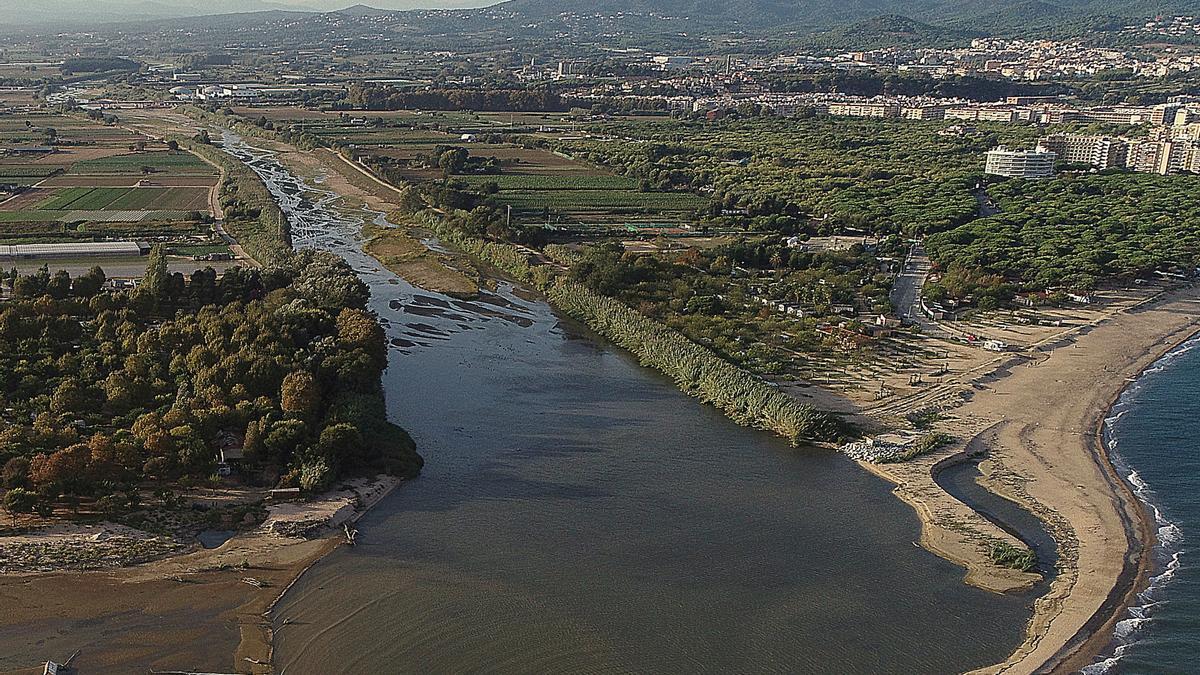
(906, 292)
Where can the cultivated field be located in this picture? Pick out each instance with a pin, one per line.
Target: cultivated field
(70, 178)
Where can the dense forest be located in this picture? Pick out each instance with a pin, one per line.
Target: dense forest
(816, 173)
(491, 100)
(1079, 231)
(104, 390)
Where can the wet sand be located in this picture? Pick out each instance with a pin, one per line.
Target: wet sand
(1039, 420)
(1038, 423)
(192, 612)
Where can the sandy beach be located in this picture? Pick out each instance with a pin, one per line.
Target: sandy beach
(1037, 419)
(204, 611)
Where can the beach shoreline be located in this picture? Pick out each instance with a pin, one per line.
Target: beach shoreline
(206, 609)
(1142, 529)
(1038, 424)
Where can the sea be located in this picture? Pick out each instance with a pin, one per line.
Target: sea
(1153, 435)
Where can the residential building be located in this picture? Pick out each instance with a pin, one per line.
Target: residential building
(925, 112)
(1101, 152)
(865, 109)
(1003, 161)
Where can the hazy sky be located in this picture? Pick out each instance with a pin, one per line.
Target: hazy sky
(387, 4)
(72, 12)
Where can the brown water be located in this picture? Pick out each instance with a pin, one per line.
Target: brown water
(578, 514)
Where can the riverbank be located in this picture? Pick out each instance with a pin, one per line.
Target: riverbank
(1038, 420)
(1045, 469)
(205, 609)
(1091, 533)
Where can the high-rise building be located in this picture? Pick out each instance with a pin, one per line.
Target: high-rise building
(1020, 163)
(1101, 152)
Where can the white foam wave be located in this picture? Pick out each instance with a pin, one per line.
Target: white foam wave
(1126, 627)
(1100, 667)
(1169, 545)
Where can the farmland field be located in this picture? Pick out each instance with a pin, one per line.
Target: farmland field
(25, 170)
(510, 181)
(78, 180)
(167, 162)
(27, 216)
(126, 199)
(99, 182)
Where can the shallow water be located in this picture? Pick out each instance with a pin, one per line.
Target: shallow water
(577, 513)
(1153, 434)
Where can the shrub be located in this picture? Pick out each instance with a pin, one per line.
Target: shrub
(16, 473)
(20, 500)
(1005, 554)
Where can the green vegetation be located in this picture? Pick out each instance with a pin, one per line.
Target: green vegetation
(923, 446)
(788, 175)
(143, 163)
(26, 171)
(251, 214)
(1005, 554)
(728, 297)
(1076, 231)
(544, 182)
(106, 390)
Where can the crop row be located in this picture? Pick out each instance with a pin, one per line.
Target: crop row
(547, 182)
(584, 199)
(158, 161)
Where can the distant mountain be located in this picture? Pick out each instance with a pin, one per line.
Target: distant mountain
(71, 13)
(648, 24)
(741, 14)
(893, 30)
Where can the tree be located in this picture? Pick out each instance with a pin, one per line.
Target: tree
(16, 473)
(20, 500)
(64, 471)
(357, 329)
(315, 476)
(89, 284)
(59, 286)
(299, 394)
(156, 282)
(33, 285)
(285, 438)
(70, 397)
(340, 444)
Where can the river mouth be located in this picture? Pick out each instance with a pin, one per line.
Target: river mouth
(960, 481)
(578, 513)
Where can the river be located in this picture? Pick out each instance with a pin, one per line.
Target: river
(578, 514)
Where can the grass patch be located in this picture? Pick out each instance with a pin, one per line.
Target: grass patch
(165, 161)
(1004, 554)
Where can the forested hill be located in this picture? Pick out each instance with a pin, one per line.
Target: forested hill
(1002, 17)
(670, 24)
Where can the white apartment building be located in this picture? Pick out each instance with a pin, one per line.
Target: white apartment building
(1003, 161)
